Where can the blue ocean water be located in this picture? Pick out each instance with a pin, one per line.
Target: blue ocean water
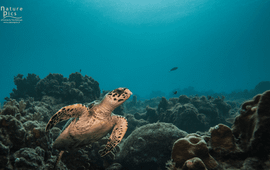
(216, 45)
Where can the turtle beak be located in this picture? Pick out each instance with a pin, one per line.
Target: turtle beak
(129, 92)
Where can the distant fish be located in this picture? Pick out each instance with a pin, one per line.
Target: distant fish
(80, 70)
(175, 68)
(175, 92)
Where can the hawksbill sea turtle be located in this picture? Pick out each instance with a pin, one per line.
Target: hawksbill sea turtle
(89, 124)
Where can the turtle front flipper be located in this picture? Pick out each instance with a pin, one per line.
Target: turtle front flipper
(117, 135)
(65, 113)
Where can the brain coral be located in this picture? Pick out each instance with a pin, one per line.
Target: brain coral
(149, 146)
(193, 145)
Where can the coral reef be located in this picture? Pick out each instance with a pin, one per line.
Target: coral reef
(29, 158)
(187, 113)
(74, 89)
(134, 123)
(153, 136)
(88, 157)
(245, 146)
(22, 136)
(25, 86)
(251, 126)
(222, 139)
(150, 115)
(18, 140)
(193, 114)
(12, 132)
(149, 146)
(194, 164)
(191, 146)
(114, 166)
(237, 95)
(137, 106)
(12, 107)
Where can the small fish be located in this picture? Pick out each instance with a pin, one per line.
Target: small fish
(80, 70)
(175, 92)
(175, 68)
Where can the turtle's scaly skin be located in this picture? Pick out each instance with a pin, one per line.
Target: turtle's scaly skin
(88, 125)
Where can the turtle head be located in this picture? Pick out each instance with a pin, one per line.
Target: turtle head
(118, 96)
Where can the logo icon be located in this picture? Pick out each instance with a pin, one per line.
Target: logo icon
(10, 14)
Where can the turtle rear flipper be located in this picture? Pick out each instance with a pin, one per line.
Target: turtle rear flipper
(117, 135)
(65, 113)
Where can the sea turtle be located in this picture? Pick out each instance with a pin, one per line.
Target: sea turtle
(89, 124)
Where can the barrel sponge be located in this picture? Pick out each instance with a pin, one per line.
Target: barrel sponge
(222, 139)
(193, 145)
